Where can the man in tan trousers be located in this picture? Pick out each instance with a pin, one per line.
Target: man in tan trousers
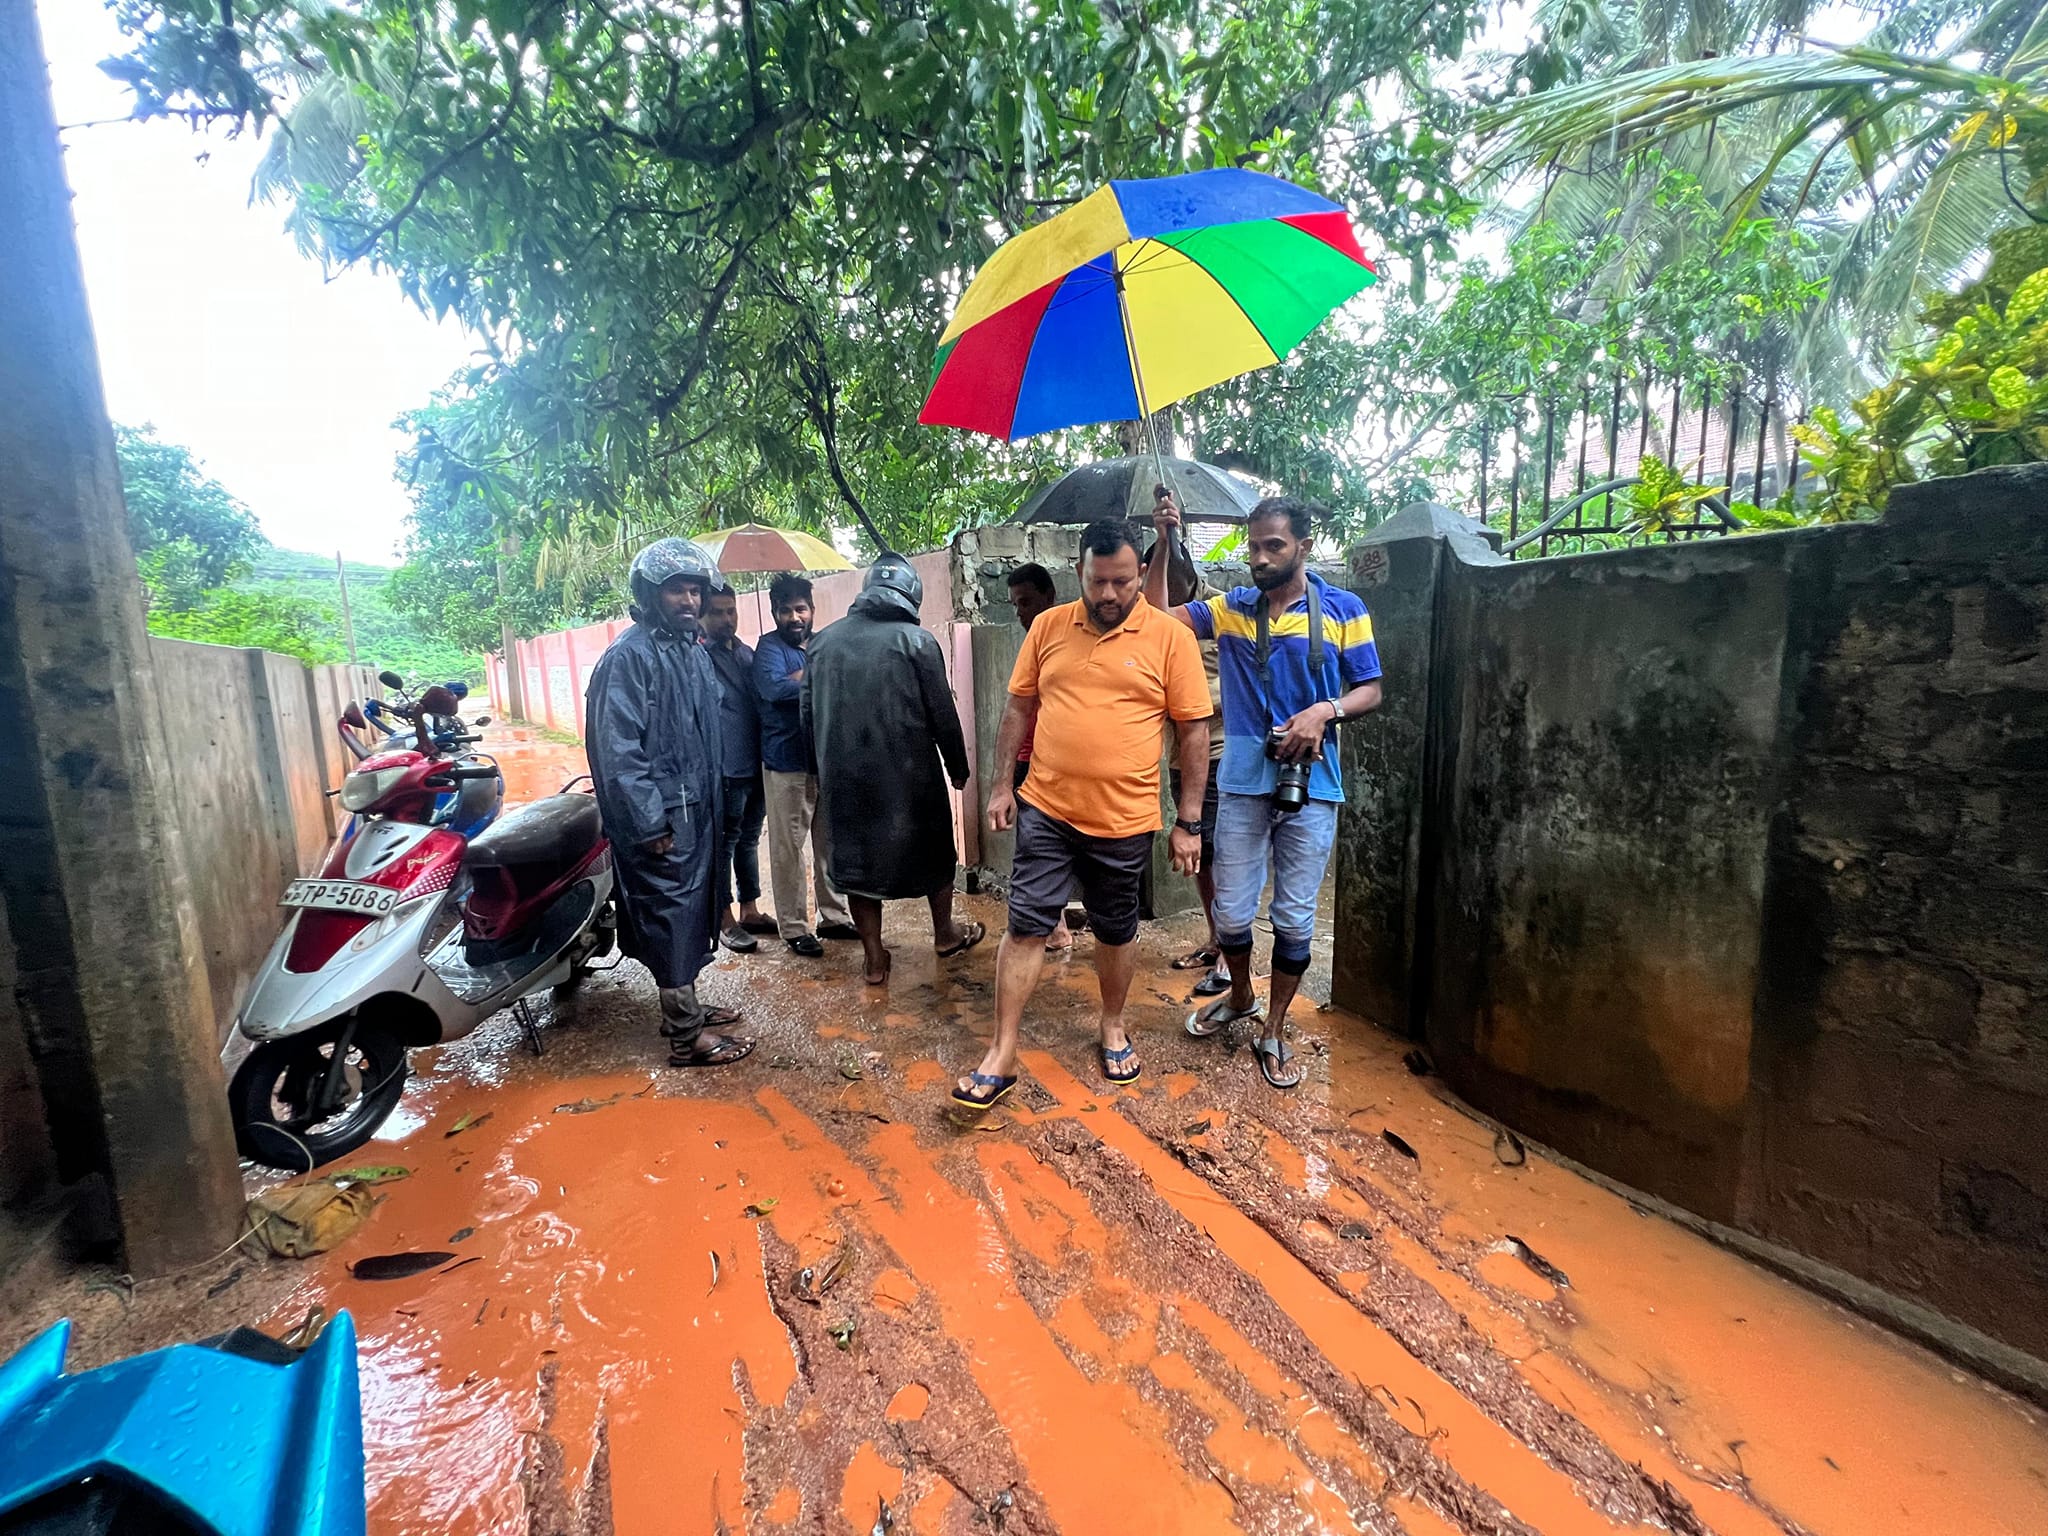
(791, 778)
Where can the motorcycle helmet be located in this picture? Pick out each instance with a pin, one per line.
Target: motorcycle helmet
(895, 577)
(663, 561)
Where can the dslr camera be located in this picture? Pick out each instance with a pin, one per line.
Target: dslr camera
(1290, 783)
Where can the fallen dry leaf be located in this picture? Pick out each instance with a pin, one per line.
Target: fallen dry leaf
(585, 1106)
(1537, 1262)
(399, 1266)
(380, 1174)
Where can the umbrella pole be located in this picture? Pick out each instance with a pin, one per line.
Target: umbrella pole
(1123, 310)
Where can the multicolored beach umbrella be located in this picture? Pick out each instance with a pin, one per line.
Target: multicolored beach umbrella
(1140, 295)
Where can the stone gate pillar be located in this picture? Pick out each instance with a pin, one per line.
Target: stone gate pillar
(1385, 838)
(108, 997)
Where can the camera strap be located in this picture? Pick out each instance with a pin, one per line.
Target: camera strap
(1264, 648)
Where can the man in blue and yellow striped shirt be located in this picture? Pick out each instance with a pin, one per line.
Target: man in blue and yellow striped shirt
(1283, 713)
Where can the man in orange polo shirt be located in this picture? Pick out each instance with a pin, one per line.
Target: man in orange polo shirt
(1097, 680)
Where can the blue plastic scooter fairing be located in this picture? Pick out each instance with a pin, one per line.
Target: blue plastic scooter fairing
(237, 1446)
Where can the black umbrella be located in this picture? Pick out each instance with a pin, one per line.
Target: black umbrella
(1123, 488)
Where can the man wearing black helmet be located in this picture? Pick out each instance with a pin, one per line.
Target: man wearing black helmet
(654, 742)
(875, 701)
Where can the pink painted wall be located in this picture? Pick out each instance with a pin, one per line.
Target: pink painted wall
(557, 665)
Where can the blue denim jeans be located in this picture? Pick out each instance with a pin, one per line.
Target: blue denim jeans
(739, 864)
(1253, 839)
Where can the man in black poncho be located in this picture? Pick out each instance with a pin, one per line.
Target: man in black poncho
(876, 702)
(654, 742)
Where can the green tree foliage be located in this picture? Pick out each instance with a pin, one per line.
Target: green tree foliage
(1548, 321)
(452, 585)
(1899, 155)
(271, 621)
(189, 533)
(1976, 398)
(712, 246)
(290, 603)
(212, 576)
(386, 634)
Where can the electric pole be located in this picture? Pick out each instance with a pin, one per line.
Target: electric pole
(508, 638)
(348, 624)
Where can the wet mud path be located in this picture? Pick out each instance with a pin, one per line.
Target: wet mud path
(793, 1296)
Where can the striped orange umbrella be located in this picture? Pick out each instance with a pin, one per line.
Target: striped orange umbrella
(757, 547)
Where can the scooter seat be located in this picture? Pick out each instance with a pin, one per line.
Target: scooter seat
(556, 830)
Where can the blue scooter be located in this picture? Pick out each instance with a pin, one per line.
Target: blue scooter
(240, 1435)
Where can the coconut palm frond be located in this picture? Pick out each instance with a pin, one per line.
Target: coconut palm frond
(1936, 239)
(1853, 88)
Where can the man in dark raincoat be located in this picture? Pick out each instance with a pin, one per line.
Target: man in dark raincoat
(888, 737)
(655, 746)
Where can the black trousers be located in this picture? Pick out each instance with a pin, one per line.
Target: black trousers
(746, 808)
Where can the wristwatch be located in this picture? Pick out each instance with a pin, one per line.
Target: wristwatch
(1192, 828)
(1336, 711)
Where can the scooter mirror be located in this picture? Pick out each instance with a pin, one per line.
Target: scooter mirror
(353, 715)
(390, 679)
(482, 720)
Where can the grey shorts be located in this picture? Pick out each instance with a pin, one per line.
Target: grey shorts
(1051, 856)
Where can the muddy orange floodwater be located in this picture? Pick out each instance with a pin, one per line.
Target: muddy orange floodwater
(798, 1300)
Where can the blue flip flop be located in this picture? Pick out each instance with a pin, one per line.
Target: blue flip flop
(1001, 1087)
(1111, 1058)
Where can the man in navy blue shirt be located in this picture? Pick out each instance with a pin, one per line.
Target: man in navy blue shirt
(1284, 694)
(790, 777)
(746, 806)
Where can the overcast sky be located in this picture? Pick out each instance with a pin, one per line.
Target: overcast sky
(212, 325)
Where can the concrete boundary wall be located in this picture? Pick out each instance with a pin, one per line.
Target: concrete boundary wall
(252, 754)
(1723, 869)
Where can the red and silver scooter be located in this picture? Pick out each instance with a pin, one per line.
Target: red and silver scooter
(411, 935)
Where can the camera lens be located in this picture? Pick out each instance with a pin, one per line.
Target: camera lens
(1290, 787)
(1290, 780)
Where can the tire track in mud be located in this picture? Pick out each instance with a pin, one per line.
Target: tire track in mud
(1127, 1316)
(1429, 1277)
(553, 1507)
(954, 1453)
(1177, 1259)
(1146, 1243)
(1110, 1272)
(1409, 1310)
(1082, 1444)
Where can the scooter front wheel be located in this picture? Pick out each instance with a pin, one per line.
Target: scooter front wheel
(294, 1111)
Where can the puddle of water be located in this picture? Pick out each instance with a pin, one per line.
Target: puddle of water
(1831, 1421)
(533, 768)
(909, 1403)
(871, 1486)
(593, 1300)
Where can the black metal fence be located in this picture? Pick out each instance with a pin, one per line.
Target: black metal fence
(1554, 473)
